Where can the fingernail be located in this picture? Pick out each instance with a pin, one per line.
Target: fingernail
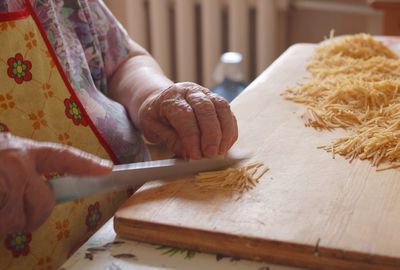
(106, 163)
(211, 151)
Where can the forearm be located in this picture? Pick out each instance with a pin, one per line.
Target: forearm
(136, 79)
(192, 121)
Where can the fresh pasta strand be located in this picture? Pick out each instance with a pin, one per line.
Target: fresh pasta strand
(355, 85)
(233, 179)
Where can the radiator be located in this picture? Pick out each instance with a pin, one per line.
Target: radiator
(187, 37)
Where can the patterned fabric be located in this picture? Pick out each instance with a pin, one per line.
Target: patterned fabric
(90, 44)
(35, 102)
(106, 250)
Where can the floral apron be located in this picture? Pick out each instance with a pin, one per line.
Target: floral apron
(38, 102)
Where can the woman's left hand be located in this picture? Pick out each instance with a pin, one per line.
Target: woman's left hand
(190, 119)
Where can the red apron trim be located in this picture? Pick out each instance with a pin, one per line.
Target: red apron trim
(15, 15)
(102, 141)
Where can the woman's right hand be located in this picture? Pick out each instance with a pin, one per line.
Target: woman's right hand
(25, 199)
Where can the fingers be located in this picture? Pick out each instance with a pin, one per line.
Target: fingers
(13, 179)
(62, 159)
(38, 203)
(207, 120)
(28, 200)
(25, 200)
(189, 117)
(26, 208)
(227, 122)
(12, 186)
(181, 117)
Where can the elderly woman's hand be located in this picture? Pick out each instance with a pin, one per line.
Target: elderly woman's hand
(190, 119)
(25, 199)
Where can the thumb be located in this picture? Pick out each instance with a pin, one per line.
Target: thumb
(51, 157)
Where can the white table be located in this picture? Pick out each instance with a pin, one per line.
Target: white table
(105, 250)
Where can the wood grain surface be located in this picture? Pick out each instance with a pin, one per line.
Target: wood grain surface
(309, 210)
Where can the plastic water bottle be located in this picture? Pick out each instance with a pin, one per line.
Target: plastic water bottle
(229, 75)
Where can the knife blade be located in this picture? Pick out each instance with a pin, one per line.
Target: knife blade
(68, 188)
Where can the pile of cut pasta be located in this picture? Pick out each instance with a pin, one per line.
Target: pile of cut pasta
(233, 179)
(355, 85)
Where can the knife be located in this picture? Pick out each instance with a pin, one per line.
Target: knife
(68, 188)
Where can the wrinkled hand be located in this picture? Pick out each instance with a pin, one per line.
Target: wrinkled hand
(190, 119)
(25, 199)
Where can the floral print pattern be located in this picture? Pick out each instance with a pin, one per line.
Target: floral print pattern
(106, 250)
(18, 243)
(3, 128)
(30, 40)
(45, 263)
(89, 46)
(47, 91)
(38, 119)
(93, 217)
(64, 139)
(62, 228)
(73, 112)
(19, 69)
(6, 25)
(6, 101)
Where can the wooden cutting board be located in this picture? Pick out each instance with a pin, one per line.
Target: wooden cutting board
(309, 210)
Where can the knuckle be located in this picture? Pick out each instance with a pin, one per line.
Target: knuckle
(202, 105)
(196, 97)
(220, 102)
(169, 93)
(176, 108)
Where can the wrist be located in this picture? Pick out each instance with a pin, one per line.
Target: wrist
(138, 103)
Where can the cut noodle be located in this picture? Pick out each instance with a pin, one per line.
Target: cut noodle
(234, 179)
(355, 85)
